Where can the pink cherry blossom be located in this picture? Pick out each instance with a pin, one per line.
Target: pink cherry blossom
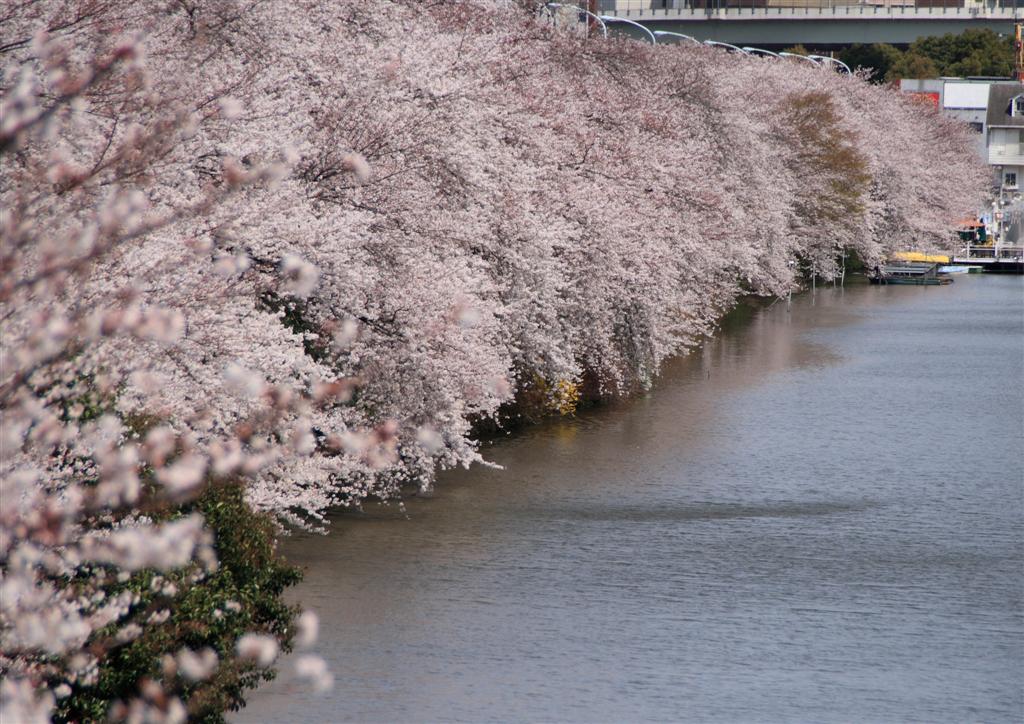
(315, 244)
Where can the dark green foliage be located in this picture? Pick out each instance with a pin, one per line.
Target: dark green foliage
(880, 57)
(854, 263)
(250, 573)
(797, 49)
(976, 52)
(973, 52)
(913, 65)
(294, 317)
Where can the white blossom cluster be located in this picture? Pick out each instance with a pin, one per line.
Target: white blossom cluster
(101, 268)
(311, 245)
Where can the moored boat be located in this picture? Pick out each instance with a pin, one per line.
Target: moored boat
(920, 273)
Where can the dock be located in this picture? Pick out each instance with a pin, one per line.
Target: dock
(996, 258)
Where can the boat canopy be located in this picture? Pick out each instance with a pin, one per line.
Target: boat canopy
(921, 256)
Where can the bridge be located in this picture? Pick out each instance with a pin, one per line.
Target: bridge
(819, 23)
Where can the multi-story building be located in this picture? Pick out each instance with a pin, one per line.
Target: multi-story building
(1004, 127)
(994, 109)
(962, 98)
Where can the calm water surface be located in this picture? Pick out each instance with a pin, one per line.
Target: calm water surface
(817, 517)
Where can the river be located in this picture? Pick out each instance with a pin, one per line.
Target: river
(818, 516)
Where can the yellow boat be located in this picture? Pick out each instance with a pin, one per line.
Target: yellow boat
(920, 256)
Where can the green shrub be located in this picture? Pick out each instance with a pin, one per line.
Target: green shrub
(243, 595)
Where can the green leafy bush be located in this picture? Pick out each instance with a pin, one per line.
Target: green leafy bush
(243, 595)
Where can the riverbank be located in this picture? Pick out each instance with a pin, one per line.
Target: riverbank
(786, 528)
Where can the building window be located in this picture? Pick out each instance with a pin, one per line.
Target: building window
(976, 127)
(1017, 107)
(1010, 180)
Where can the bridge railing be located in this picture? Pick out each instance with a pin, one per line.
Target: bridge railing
(977, 8)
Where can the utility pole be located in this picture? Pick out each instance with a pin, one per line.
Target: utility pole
(1018, 48)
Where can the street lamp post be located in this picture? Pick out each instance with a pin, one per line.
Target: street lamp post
(681, 36)
(760, 51)
(728, 46)
(997, 223)
(801, 57)
(644, 28)
(826, 59)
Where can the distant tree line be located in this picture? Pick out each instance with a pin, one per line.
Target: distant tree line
(971, 53)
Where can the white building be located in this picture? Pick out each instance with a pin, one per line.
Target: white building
(994, 109)
(985, 105)
(963, 99)
(1004, 127)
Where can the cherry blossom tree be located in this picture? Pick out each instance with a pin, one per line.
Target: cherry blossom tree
(306, 250)
(104, 283)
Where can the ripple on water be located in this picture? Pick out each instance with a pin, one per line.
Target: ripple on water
(817, 517)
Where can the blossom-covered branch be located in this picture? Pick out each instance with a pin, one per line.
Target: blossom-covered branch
(302, 250)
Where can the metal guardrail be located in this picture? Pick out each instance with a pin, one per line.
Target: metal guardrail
(996, 252)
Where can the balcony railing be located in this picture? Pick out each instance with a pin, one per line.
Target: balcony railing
(1006, 155)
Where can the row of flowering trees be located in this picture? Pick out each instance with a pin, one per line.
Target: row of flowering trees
(295, 252)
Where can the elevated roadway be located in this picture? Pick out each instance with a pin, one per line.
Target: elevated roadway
(814, 22)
